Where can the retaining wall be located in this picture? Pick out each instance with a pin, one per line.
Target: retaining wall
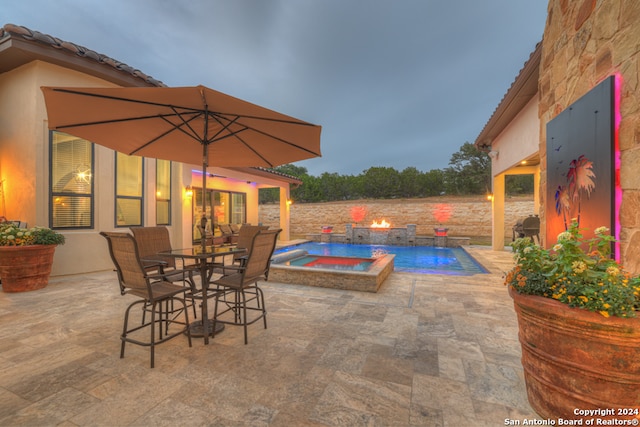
(463, 216)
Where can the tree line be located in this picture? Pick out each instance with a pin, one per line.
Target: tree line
(469, 173)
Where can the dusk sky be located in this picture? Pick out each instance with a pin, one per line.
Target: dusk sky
(393, 83)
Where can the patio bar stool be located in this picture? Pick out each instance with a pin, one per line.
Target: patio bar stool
(156, 296)
(239, 291)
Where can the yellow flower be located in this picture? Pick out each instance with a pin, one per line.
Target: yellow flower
(613, 271)
(604, 313)
(578, 267)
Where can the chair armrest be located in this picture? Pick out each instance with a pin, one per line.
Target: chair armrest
(147, 262)
(234, 267)
(241, 259)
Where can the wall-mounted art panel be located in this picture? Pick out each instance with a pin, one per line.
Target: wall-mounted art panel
(580, 164)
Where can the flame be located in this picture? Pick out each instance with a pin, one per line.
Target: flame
(382, 224)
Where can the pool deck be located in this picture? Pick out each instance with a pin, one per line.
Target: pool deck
(426, 350)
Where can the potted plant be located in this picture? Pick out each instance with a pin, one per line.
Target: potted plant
(26, 256)
(578, 327)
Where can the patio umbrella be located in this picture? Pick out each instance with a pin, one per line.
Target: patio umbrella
(194, 125)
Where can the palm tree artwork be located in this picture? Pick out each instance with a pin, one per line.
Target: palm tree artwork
(563, 204)
(580, 179)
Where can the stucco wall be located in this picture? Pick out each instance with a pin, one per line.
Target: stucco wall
(469, 216)
(519, 140)
(24, 148)
(584, 42)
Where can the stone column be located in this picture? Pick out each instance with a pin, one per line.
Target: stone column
(348, 235)
(411, 234)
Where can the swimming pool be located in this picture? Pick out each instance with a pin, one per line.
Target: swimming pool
(408, 259)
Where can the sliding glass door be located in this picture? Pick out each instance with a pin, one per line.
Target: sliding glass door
(227, 208)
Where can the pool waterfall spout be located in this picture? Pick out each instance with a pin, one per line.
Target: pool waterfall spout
(393, 236)
(397, 236)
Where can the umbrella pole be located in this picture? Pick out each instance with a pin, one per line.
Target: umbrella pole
(203, 220)
(205, 163)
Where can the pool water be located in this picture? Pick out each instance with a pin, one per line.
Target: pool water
(408, 259)
(334, 263)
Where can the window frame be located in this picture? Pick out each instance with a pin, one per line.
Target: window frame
(117, 197)
(53, 194)
(167, 200)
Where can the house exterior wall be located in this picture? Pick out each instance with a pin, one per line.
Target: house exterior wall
(519, 140)
(584, 43)
(24, 167)
(24, 164)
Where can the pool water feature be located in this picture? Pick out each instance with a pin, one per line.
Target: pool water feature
(408, 259)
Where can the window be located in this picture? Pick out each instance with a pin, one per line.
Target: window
(71, 182)
(163, 192)
(227, 207)
(129, 195)
(238, 208)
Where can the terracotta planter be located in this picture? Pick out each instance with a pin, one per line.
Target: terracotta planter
(25, 268)
(574, 359)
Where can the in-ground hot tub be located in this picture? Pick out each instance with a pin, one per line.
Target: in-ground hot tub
(350, 273)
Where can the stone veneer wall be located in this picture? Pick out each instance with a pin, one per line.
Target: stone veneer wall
(469, 216)
(584, 42)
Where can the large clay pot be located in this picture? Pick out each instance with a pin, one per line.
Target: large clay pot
(25, 268)
(574, 359)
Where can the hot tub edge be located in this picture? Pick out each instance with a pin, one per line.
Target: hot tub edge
(366, 281)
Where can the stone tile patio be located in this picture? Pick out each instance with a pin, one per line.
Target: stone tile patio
(426, 350)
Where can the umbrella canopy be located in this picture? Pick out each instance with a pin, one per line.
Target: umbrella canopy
(181, 124)
(194, 125)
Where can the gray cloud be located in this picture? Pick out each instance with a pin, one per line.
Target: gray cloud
(393, 83)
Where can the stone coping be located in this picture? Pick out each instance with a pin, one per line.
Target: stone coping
(366, 281)
(451, 242)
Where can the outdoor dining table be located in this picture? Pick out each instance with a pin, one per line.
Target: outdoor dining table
(202, 256)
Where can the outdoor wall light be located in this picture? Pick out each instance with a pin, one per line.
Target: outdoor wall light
(490, 196)
(188, 191)
(289, 202)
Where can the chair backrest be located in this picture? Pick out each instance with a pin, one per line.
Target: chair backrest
(225, 229)
(235, 228)
(125, 257)
(150, 241)
(259, 258)
(531, 226)
(245, 237)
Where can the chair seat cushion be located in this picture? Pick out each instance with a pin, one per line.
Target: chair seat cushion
(161, 289)
(234, 281)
